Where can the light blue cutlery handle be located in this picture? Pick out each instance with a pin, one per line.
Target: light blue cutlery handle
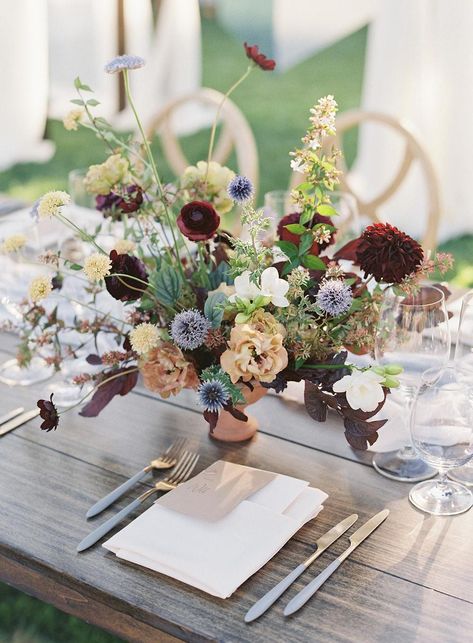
(109, 524)
(309, 590)
(107, 500)
(270, 597)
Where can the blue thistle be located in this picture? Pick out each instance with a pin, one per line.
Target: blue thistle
(240, 189)
(189, 329)
(120, 63)
(334, 297)
(213, 395)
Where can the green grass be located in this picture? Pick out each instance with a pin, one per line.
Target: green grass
(276, 106)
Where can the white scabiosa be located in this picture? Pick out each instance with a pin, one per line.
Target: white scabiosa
(144, 338)
(97, 266)
(40, 288)
(51, 203)
(13, 243)
(124, 246)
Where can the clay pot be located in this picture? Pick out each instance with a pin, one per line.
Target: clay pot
(229, 429)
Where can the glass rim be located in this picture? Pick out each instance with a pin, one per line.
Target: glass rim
(436, 302)
(450, 367)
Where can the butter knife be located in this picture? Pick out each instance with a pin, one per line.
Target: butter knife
(322, 543)
(18, 421)
(356, 539)
(11, 414)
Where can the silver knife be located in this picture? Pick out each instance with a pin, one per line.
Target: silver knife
(322, 543)
(18, 421)
(11, 414)
(356, 539)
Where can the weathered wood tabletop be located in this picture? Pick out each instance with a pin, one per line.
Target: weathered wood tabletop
(412, 580)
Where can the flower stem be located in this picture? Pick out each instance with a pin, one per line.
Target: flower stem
(150, 156)
(83, 234)
(217, 115)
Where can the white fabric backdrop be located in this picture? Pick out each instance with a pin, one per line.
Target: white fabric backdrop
(24, 64)
(419, 68)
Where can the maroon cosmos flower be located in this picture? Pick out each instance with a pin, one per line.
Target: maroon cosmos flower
(285, 235)
(49, 414)
(254, 54)
(117, 202)
(123, 288)
(198, 221)
(387, 253)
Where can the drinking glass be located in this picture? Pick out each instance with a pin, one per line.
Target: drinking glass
(442, 434)
(277, 204)
(412, 332)
(79, 194)
(464, 357)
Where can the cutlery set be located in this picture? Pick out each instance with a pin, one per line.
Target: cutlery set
(183, 463)
(13, 419)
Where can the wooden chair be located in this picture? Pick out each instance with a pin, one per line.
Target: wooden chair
(235, 134)
(413, 151)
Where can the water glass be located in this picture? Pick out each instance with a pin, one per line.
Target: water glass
(442, 433)
(79, 194)
(464, 357)
(412, 332)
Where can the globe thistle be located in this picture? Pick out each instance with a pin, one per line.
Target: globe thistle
(213, 395)
(122, 63)
(240, 189)
(49, 205)
(97, 266)
(144, 338)
(334, 297)
(189, 329)
(40, 288)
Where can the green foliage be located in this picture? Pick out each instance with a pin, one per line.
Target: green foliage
(214, 308)
(168, 285)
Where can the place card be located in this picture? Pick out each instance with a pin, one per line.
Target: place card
(216, 491)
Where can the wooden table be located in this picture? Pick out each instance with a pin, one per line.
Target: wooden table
(411, 581)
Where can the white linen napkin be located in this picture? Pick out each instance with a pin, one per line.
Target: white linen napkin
(217, 557)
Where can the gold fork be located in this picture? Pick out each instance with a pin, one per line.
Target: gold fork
(183, 470)
(165, 461)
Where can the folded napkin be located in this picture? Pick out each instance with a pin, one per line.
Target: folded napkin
(217, 556)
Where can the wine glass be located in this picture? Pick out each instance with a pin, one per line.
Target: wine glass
(464, 357)
(442, 434)
(412, 332)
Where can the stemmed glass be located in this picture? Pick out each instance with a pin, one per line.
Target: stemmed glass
(442, 434)
(464, 358)
(412, 332)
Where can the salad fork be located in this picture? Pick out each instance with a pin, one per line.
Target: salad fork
(167, 460)
(182, 472)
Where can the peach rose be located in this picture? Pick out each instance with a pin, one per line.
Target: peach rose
(166, 371)
(253, 354)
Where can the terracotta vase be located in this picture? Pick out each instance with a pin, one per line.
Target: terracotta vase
(229, 429)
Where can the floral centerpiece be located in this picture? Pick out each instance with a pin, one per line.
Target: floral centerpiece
(226, 315)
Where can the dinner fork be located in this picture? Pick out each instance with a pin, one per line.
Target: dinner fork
(167, 460)
(181, 473)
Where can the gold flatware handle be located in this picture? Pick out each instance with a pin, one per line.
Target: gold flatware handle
(18, 421)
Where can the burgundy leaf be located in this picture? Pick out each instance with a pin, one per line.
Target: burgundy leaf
(211, 417)
(348, 251)
(120, 385)
(359, 434)
(95, 360)
(239, 415)
(315, 406)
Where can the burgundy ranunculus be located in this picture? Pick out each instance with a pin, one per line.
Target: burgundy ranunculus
(253, 52)
(198, 220)
(49, 414)
(387, 253)
(285, 235)
(119, 203)
(123, 288)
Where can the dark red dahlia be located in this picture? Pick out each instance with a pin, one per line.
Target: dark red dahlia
(126, 288)
(198, 220)
(49, 414)
(264, 63)
(387, 253)
(118, 203)
(285, 235)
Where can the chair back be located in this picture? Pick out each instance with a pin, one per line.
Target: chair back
(235, 134)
